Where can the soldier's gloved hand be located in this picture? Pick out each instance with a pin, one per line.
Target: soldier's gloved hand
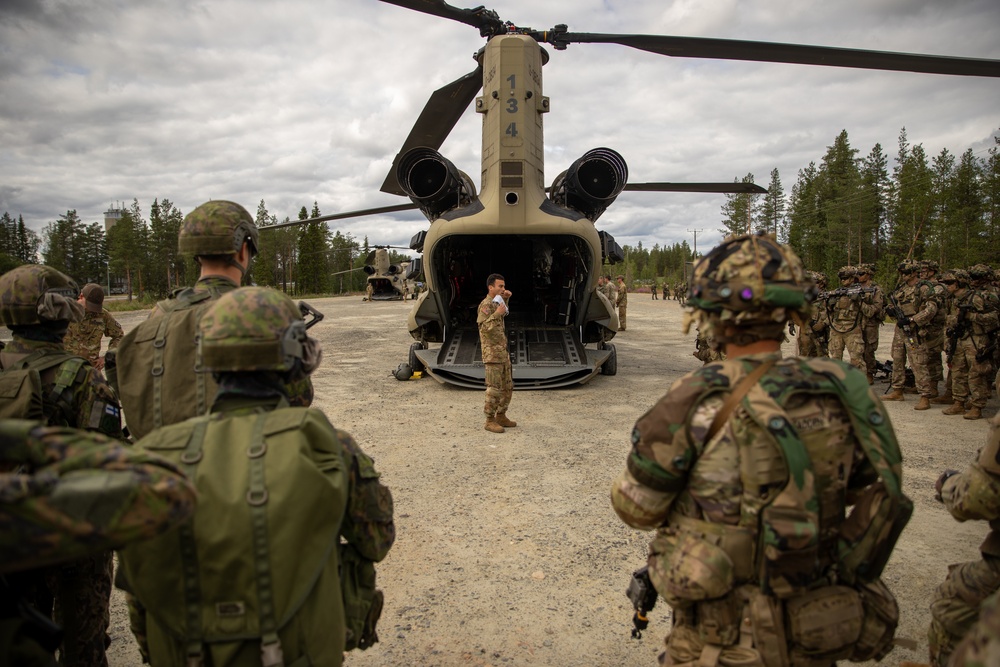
(939, 484)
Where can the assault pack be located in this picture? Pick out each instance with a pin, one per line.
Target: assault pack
(159, 383)
(263, 557)
(22, 395)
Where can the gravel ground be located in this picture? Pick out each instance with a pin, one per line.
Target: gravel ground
(508, 551)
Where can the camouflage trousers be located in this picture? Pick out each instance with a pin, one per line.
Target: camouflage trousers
(968, 376)
(934, 342)
(903, 350)
(871, 346)
(82, 594)
(981, 645)
(499, 388)
(956, 603)
(621, 318)
(854, 341)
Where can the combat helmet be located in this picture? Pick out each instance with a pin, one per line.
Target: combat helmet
(980, 272)
(38, 294)
(750, 283)
(957, 276)
(907, 266)
(929, 265)
(847, 272)
(218, 228)
(256, 329)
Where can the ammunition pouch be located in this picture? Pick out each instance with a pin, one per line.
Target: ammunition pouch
(823, 624)
(869, 533)
(686, 568)
(881, 616)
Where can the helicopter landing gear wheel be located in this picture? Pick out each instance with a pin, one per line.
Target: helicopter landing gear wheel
(413, 360)
(610, 365)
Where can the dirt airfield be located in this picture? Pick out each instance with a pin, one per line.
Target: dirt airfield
(508, 551)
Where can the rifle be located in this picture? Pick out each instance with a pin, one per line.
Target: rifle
(904, 322)
(957, 332)
(853, 290)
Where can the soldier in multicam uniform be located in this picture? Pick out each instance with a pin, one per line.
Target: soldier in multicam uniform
(66, 494)
(622, 302)
(971, 495)
(84, 337)
(872, 321)
(735, 444)
(254, 341)
(918, 303)
(665, 290)
(37, 303)
(847, 315)
(814, 333)
(496, 357)
(981, 646)
(933, 332)
(954, 281)
(655, 290)
(975, 322)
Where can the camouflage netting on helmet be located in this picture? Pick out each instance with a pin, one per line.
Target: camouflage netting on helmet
(980, 272)
(217, 228)
(907, 266)
(35, 294)
(746, 289)
(254, 329)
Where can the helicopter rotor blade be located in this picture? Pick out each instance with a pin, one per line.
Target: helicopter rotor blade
(439, 116)
(723, 188)
(479, 17)
(344, 216)
(734, 49)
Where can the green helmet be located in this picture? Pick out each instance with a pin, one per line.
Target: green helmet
(907, 266)
(750, 282)
(847, 272)
(35, 294)
(217, 228)
(255, 329)
(929, 265)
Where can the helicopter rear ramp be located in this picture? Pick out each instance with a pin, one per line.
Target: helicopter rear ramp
(541, 358)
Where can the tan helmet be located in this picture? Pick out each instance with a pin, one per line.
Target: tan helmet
(747, 288)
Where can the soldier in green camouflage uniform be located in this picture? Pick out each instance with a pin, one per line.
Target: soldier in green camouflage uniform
(223, 239)
(71, 493)
(37, 303)
(84, 337)
(622, 302)
(254, 342)
(970, 373)
(735, 444)
(919, 303)
(496, 357)
(971, 495)
(874, 317)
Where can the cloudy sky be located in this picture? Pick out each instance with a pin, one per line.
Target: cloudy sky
(103, 101)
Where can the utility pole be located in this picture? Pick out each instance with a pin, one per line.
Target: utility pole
(695, 232)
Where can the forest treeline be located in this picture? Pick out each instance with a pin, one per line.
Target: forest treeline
(843, 209)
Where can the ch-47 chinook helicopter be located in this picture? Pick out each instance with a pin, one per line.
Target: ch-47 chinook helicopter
(388, 281)
(543, 240)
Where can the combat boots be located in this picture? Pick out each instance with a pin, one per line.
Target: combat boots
(894, 395)
(957, 408)
(492, 426)
(974, 413)
(943, 399)
(923, 404)
(503, 420)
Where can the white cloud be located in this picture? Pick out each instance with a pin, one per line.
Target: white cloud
(309, 100)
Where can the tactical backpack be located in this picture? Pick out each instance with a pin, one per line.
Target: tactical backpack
(258, 566)
(154, 369)
(21, 392)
